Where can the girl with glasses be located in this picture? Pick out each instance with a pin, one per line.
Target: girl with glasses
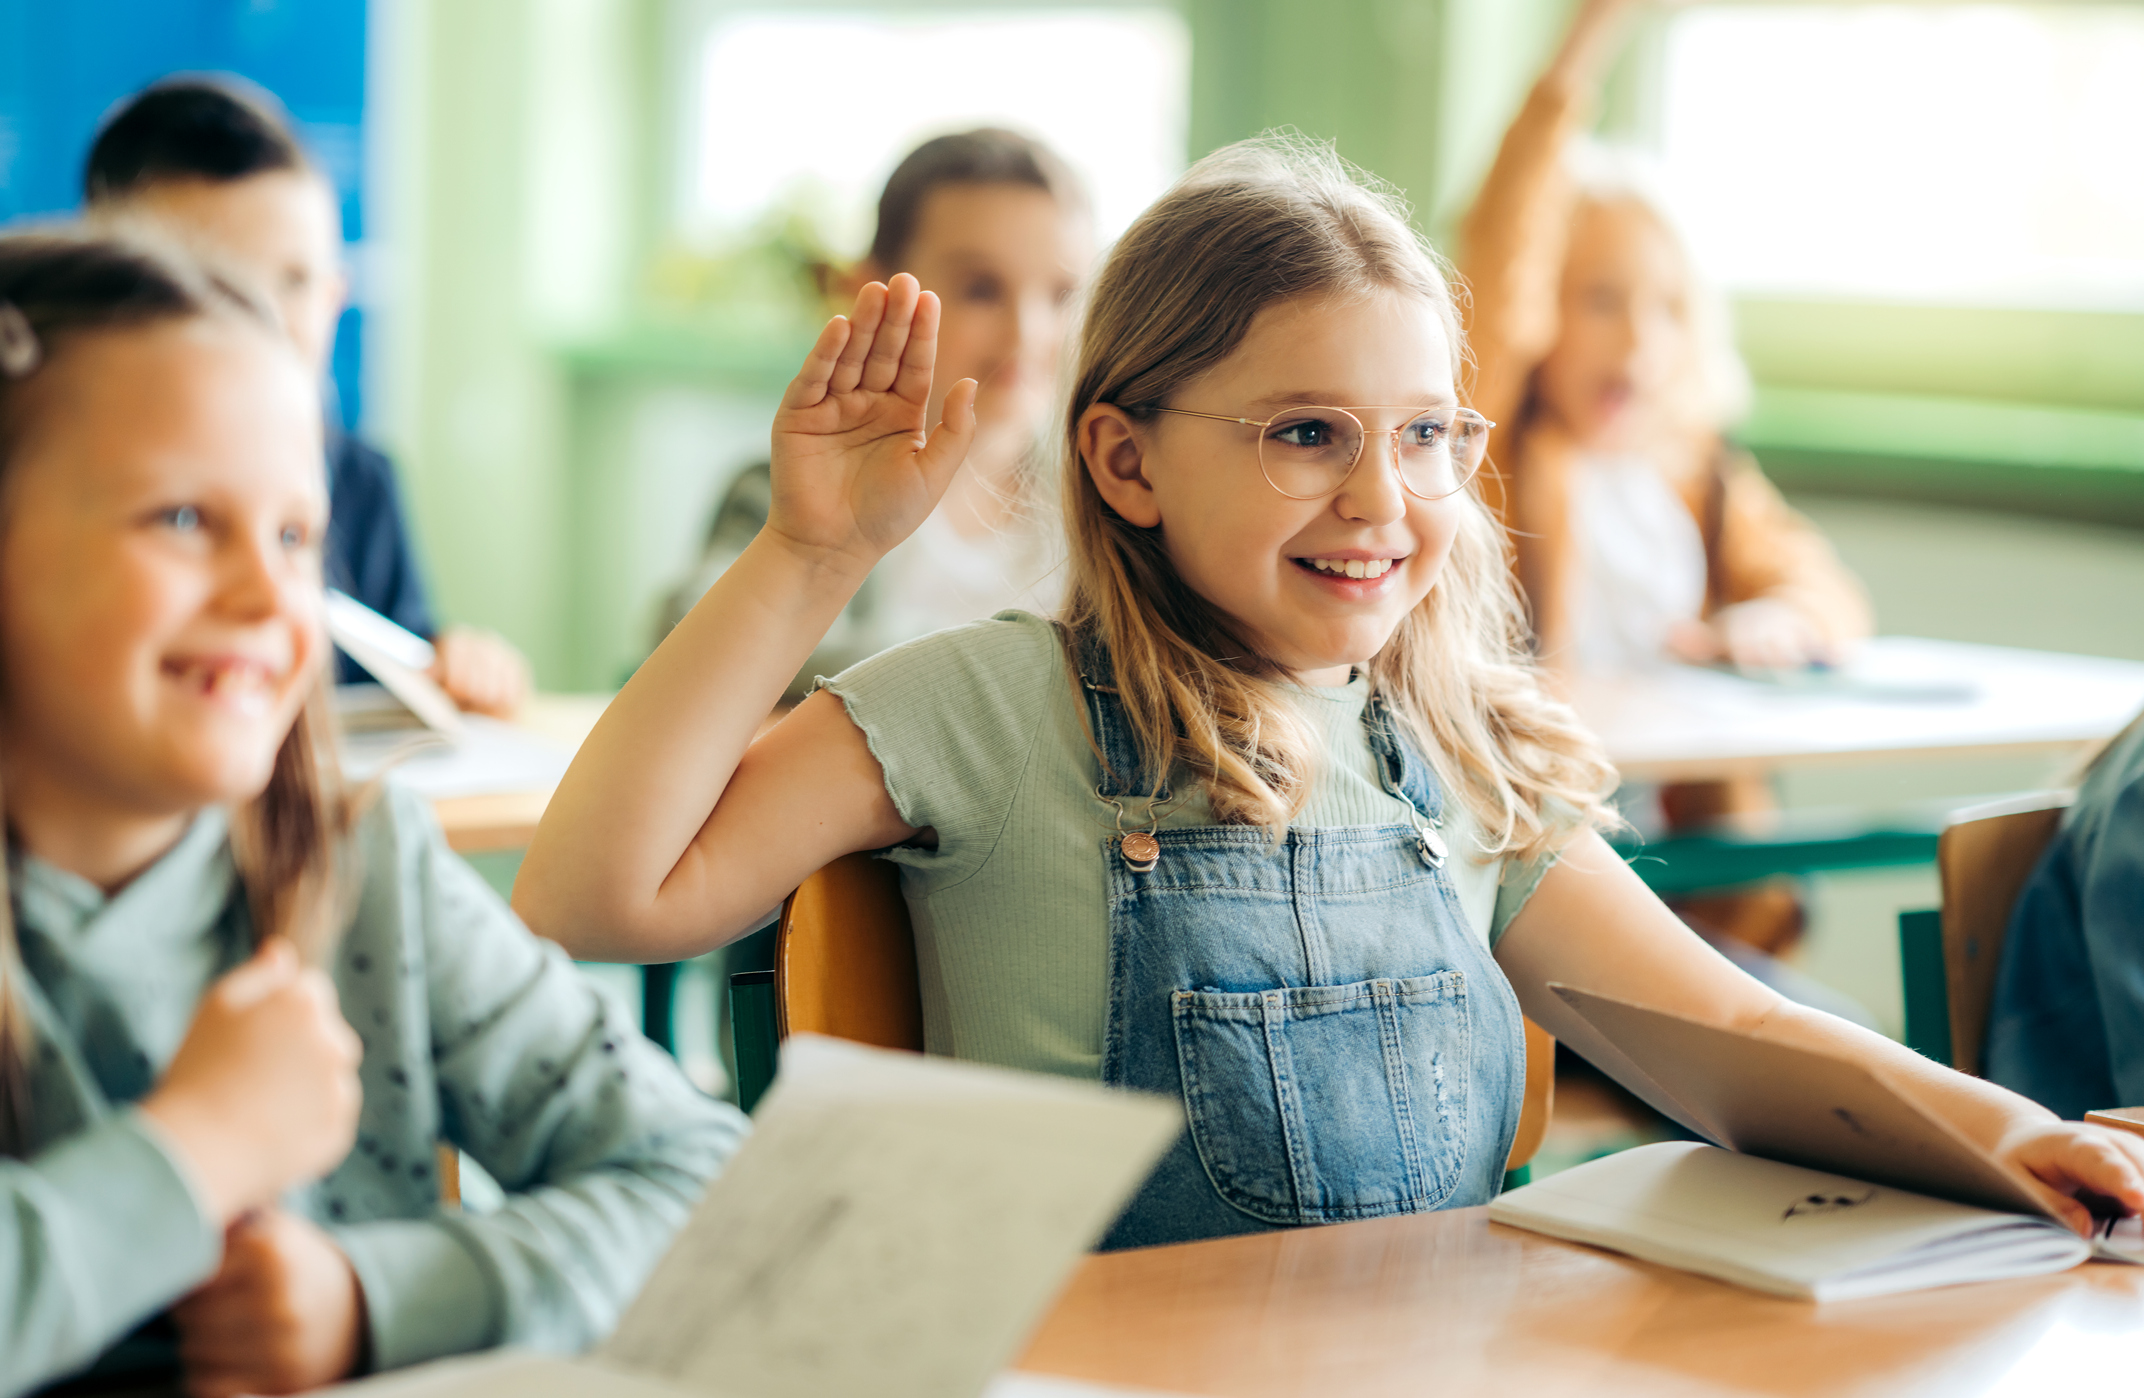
(1273, 817)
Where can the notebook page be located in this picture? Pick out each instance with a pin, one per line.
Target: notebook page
(894, 1226)
(2125, 1243)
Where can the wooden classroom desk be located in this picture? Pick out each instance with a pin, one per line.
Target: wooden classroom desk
(1919, 699)
(506, 820)
(1452, 1305)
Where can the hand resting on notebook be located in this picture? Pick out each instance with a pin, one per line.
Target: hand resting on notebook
(1594, 924)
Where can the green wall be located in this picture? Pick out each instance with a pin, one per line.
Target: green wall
(525, 157)
(562, 438)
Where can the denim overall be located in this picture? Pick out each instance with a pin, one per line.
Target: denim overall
(1344, 1046)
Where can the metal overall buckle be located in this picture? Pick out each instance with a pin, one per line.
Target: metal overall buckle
(1140, 849)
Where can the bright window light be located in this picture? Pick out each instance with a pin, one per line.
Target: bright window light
(809, 112)
(1966, 154)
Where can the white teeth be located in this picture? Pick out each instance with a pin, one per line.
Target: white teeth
(1352, 567)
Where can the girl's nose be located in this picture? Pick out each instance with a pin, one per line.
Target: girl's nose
(261, 578)
(1372, 492)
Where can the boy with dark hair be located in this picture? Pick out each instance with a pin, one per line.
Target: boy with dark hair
(220, 171)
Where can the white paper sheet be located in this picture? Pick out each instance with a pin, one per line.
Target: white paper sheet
(487, 756)
(894, 1227)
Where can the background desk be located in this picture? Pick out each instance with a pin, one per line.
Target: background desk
(490, 788)
(1904, 698)
(1450, 1304)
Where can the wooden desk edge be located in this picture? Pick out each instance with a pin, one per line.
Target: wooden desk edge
(2120, 1118)
(493, 822)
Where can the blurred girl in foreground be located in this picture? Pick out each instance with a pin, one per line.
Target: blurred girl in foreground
(194, 1145)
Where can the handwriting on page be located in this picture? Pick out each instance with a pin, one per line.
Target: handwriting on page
(897, 1248)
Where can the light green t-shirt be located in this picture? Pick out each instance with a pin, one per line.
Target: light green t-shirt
(982, 737)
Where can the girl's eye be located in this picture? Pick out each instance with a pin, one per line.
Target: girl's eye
(982, 289)
(1304, 432)
(183, 519)
(1427, 432)
(294, 537)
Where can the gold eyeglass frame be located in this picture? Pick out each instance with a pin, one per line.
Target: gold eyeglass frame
(1366, 433)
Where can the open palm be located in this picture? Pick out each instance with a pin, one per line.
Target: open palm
(855, 469)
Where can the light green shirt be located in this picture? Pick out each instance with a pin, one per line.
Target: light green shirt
(982, 737)
(475, 1033)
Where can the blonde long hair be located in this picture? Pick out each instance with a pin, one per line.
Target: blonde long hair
(1250, 226)
(54, 289)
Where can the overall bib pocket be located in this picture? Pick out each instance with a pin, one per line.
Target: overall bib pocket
(1317, 1104)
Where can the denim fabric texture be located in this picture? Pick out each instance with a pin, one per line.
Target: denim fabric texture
(1344, 1046)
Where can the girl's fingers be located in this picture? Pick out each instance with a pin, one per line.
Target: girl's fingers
(809, 386)
(870, 310)
(2119, 1173)
(921, 355)
(2092, 1160)
(272, 965)
(887, 346)
(948, 444)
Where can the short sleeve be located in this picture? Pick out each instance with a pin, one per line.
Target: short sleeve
(952, 719)
(1520, 878)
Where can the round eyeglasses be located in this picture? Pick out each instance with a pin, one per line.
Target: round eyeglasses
(1306, 452)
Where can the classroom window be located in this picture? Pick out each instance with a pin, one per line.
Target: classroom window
(1961, 154)
(806, 113)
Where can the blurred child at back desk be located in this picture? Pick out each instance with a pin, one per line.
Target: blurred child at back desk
(1642, 534)
(222, 174)
(997, 226)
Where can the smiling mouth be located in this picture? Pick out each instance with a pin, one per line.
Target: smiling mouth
(246, 682)
(1366, 569)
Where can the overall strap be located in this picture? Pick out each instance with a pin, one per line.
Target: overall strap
(1407, 774)
(1123, 767)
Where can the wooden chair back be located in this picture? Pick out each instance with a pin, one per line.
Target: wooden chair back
(845, 958)
(1983, 859)
(1540, 1099)
(845, 966)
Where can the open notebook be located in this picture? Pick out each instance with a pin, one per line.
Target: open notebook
(894, 1226)
(1835, 1182)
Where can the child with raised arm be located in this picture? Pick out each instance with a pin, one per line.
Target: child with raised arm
(195, 1147)
(1275, 819)
(998, 227)
(1642, 534)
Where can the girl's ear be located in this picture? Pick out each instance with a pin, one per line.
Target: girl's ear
(1115, 458)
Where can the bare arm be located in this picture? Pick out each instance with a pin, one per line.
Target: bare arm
(1592, 923)
(1514, 236)
(665, 837)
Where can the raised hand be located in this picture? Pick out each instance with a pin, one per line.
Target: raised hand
(263, 1092)
(856, 466)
